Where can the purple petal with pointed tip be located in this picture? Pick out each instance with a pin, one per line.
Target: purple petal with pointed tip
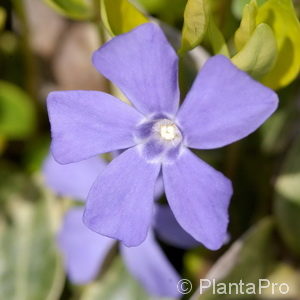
(224, 105)
(86, 123)
(72, 180)
(199, 198)
(149, 265)
(84, 250)
(170, 231)
(120, 203)
(144, 66)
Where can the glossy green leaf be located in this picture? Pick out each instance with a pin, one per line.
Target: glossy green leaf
(116, 283)
(287, 204)
(250, 258)
(121, 16)
(30, 266)
(259, 54)
(247, 26)
(281, 16)
(74, 9)
(17, 112)
(2, 17)
(196, 19)
(216, 38)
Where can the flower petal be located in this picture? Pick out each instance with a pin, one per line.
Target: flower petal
(159, 188)
(199, 198)
(224, 105)
(86, 123)
(72, 180)
(84, 251)
(144, 66)
(120, 203)
(149, 265)
(170, 231)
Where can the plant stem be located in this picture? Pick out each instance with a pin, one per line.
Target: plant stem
(97, 20)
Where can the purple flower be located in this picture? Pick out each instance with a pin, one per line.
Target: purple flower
(84, 251)
(223, 106)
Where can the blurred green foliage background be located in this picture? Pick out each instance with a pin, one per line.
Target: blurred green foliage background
(47, 45)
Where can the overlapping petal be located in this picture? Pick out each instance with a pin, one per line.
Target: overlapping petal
(149, 265)
(199, 198)
(84, 250)
(170, 231)
(72, 180)
(144, 66)
(120, 203)
(86, 123)
(224, 105)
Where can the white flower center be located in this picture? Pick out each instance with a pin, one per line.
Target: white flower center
(167, 130)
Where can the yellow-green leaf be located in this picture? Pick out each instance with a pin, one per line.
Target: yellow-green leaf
(288, 186)
(74, 9)
(281, 16)
(216, 39)
(17, 112)
(121, 16)
(247, 26)
(196, 19)
(237, 6)
(2, 17)
(259, 54)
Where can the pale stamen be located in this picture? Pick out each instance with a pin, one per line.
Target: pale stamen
(168, 132)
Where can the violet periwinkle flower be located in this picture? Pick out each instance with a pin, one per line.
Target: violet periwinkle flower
(84, 251)
(224, 105)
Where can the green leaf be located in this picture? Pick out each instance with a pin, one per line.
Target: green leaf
(287, 204)
(169, 11)
(30, 266)
(237, 7)
(2, 17)
(249, 258)
(259, 54)
(121, 16)
(17, 112)
(288, 182)
(274, 136)
(281, 17)
(216, 38)
(283, 272)
(287, 214)
(116, 283)
(196, 19)
(74, 9)
(247, 26)
(289, 186)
